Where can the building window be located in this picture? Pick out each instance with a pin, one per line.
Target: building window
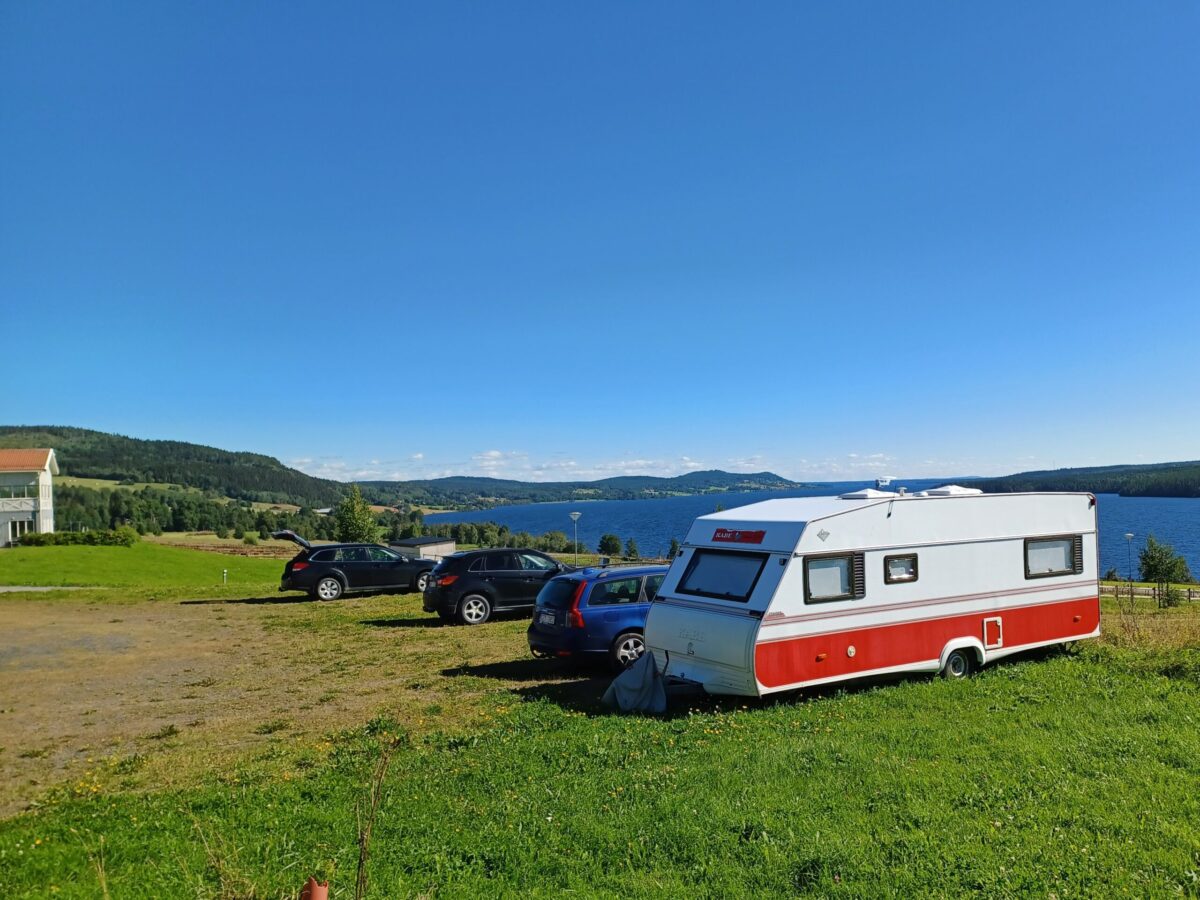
(834, 577)
(1059, 555)
(18, 528)
(901, 568)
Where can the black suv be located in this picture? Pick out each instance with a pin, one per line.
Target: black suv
(470, 586)
(329, 570)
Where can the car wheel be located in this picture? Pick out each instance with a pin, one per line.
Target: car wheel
(474, 609)
(328, 589)
(422, 581)
(626, 649)
(958, 664)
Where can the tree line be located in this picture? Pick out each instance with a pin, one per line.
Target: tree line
(157, 510)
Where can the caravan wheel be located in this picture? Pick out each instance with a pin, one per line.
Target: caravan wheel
(958, 664)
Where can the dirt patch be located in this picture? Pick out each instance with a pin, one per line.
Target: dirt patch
(239, 549)
(152, 694)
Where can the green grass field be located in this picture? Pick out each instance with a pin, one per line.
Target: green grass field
(145, 568)
(114, 485)
(1073, 774)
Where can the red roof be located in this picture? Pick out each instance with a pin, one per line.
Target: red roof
(27, 460)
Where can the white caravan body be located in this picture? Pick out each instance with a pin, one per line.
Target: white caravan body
(787, 593)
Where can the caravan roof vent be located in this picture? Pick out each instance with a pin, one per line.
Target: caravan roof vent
(867, 494)
(952, 490)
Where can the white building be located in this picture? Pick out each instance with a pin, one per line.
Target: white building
(26, 493)
(425, 547)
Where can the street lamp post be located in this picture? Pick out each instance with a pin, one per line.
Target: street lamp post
(1129, 562)
(575, 519)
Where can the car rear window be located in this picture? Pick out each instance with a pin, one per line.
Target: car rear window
(321, 556)
(557, 594)
(722, 574)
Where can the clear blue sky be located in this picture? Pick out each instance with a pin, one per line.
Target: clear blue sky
(830, 240)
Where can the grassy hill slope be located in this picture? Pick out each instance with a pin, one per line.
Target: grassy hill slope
(464, 491)
(245, 476)
(1171, 479)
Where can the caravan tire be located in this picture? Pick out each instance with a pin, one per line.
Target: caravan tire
(626, 649)
(958, 664)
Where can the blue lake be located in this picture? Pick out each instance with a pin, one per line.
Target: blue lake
(652, 523)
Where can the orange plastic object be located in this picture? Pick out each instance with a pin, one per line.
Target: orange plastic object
(314, 891)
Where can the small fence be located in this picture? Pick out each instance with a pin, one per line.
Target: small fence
(1124, 589)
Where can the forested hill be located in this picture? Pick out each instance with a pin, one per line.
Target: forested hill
(1173, 479)
(478, 493)
(244, 476)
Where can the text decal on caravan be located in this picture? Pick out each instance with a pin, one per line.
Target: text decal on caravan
(733, 536)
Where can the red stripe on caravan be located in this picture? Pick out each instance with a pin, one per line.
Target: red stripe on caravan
(810, 657)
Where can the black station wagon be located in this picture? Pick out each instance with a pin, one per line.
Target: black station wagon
(327, 571)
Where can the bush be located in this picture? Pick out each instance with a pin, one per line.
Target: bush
(250, 540)
(1160, 563)
(610, 545)
(119, 537)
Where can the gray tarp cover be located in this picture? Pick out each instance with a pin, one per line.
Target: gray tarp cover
(639, 688)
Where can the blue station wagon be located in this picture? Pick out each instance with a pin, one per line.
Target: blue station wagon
(595, 613)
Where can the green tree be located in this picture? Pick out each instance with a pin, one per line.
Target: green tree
(1160, 563)
(610, 545)
(631, 549)
(673, 550)
(554, 542)
(354, 521)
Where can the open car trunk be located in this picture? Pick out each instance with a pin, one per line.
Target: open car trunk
(289, 535)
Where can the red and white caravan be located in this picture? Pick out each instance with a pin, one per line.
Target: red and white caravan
(787, 593)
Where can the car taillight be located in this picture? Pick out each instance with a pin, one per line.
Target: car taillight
(575, 617)
(447, 580)
(296, 567)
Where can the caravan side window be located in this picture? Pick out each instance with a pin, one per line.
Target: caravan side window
(831, 577)
(1059, 555)
(900, 568)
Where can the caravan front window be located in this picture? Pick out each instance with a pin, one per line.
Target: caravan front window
(722, 574)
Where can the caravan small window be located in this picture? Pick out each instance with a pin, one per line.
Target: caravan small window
(1061, 555)
(722, 574)
(897, 569)
(833, 577)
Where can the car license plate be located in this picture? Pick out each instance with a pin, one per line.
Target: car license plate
(546, 618)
